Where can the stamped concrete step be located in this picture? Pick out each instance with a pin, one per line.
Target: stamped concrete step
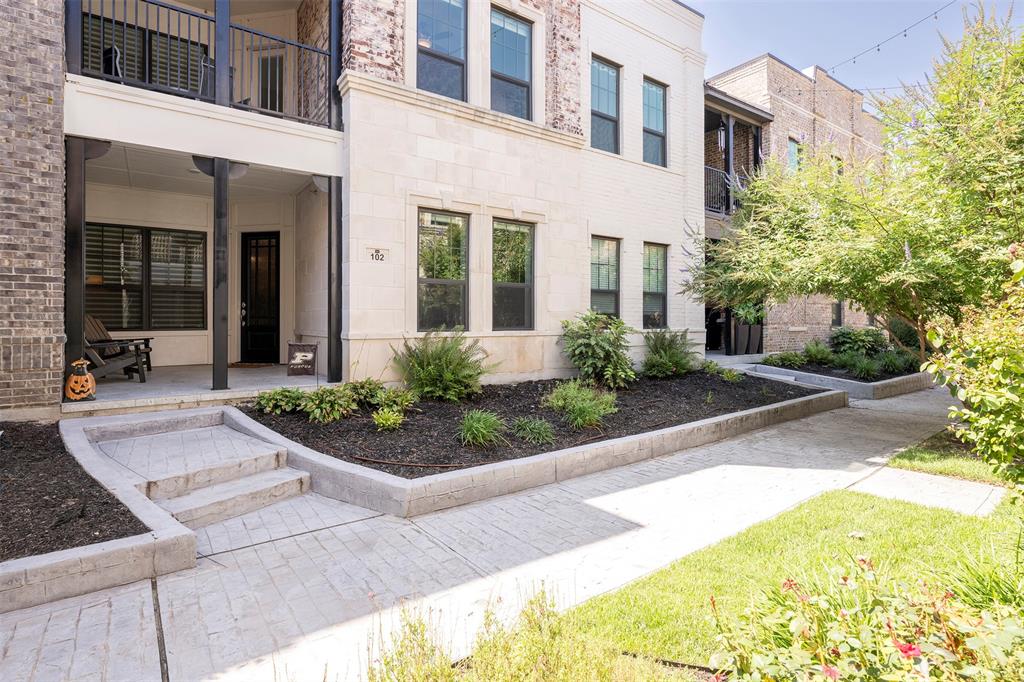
(233, 498)
(169, 464)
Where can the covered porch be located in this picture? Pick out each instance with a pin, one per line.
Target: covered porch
(212, 276)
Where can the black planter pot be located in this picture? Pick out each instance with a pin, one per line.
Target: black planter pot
(755, 338)
(740, 339)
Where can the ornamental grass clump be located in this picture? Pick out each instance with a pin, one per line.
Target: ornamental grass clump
(580, 404)
(896, 361)
(534, 430)
(668, 354)
(817, 353)
(790, 359)
(482, 428)
(597, 347)
(857, 624)
(866, 369)
(442, 367)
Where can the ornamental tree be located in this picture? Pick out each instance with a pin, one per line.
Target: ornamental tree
(918, 235)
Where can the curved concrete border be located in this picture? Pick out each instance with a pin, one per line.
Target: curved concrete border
(167, 547)
(391, 494)
(861, 390)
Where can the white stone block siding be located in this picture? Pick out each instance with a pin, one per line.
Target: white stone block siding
(408, 150)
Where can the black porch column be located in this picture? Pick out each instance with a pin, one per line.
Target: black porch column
(221, 168)
(334, 280)
(222, 54)
(73, 35)
(729, 167)
(757, 147)
(74, 249)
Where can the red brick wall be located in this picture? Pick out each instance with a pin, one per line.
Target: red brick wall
(31, 203)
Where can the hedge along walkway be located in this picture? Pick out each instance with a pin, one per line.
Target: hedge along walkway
(292, 607)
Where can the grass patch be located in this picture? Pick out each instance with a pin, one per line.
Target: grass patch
(667, 614)
(944, 455)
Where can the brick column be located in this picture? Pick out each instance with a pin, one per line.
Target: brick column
(31, 205)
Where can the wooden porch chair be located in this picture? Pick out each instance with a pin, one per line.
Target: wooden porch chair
(110, 355)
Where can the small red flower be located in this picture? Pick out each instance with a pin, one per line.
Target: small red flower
(908, 650)
(789, 584)
(830, 672)
(834, 652)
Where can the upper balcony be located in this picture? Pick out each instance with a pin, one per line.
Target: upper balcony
(732, 147)
(272, 58)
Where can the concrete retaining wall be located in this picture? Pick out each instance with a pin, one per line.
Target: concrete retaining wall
(860, 390)
(167, 547)
(391, 494)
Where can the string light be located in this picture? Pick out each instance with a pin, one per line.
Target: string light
(904, 33)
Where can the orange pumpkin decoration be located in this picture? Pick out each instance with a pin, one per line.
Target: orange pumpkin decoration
(80, 384)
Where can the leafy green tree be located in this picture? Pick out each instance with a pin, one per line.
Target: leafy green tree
(916, 236)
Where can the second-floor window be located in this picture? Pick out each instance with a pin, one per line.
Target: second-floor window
(441, 47)
(604, 106)
(793, 154)
(654, 123)
(510, 64)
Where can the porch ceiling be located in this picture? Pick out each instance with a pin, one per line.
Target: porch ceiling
(144, 168)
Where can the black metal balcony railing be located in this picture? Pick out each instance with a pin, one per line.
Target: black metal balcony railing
(716, 190)
(162, 47)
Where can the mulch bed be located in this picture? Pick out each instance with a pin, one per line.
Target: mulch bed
(829, 371)
(47, 501)
(429, 435)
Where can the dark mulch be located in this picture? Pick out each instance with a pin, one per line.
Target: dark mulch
(430, 432)
(829, 371)
(47, 501)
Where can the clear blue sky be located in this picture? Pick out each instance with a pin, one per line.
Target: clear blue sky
(826, 32)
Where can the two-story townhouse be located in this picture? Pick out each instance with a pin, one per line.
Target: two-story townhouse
(223, 177)
(761, 109)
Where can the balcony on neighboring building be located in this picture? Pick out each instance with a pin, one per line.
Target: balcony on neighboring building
(732, 147)
(270, 58)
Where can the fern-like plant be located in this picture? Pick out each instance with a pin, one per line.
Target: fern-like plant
(442, 367)
(597, 347)
(668, 354)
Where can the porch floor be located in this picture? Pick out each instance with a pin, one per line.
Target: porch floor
(187, 386)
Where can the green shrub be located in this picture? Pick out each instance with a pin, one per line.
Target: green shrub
(668, 354)
(982, 363)
(329, 404)
(366, 392)
(749, 313)
(817, 353)
(791, 359)
(866, 341)
(442, 367)
(731, 375)
(896, 361)
(902, 331)
(396, 399)
(534, 430)
(388, 418)
(280, 400)
(846, 360)
(866, 369)
(596, 346)
(856, 624)
(580, 404)
(482, 428)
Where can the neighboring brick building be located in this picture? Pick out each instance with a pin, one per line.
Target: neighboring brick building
(811, 110)
(31, 204)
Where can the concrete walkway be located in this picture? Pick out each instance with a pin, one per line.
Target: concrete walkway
(299, 589)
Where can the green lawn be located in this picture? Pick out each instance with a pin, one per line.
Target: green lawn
(944, 455)
(667, 614)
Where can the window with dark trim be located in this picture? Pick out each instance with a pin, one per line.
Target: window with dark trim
(604, 105)
(442, 269)
(604, 275)
(510, 64)
(655, 286)
(512, 268)
(139, 278)
(837, 313)
(654, 123)
(441, 47)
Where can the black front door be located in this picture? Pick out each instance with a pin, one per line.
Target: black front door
(260, 296)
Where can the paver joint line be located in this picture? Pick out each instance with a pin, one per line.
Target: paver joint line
(161, 645)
